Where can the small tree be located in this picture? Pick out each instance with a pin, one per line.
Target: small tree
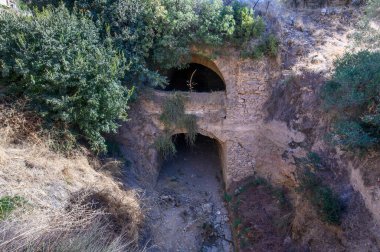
(57, 60)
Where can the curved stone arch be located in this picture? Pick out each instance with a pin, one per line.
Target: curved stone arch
(201, 132)
(221, 149)
(204, 61)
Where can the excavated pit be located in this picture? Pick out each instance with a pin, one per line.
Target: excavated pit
(191, 213)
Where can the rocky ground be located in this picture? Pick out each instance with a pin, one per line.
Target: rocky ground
(188, 212)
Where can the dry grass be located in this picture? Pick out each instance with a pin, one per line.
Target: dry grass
(68, 206)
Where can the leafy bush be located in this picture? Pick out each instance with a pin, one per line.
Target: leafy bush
(322, 197)
(58, 61)
(160, 34)
(68, 64)
(247, 25)
(157, 34)
(272, 44)
(268, 47)
(354, 94)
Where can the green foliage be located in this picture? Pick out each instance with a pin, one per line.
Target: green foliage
(157, 34)
(268, 47)
(314, 159)
(70, 63)
(330, 205)
(165, 146)
(58, 61)
(173, 116)
(113, 149)
(327, 203)
(189, 122)
(272, 44)
(354, 94)
(247, 25)
(228, 197)
(173, 110)
(278, 193)
(8, 204)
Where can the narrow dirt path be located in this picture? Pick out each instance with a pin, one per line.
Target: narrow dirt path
(190, 213)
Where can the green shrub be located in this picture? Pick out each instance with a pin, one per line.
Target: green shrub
(8, 204)
(268, 47)
(272, 45)
(70, 75)
(157, 34)
(247, 24)
(353, 94)
(329, 204)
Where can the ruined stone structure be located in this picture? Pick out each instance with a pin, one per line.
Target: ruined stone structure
(235, 118)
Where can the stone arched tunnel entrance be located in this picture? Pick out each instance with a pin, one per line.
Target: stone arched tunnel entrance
(235, 116)
(202, 159)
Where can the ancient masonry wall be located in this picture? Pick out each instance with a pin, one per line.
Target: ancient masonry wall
(235, 118)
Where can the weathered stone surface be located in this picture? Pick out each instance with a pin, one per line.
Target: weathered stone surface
(235, 118)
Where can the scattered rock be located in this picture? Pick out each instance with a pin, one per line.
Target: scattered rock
(207, 208)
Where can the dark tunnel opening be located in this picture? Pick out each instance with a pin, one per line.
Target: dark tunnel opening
(191, 189)
(205, 152)
(195, 77)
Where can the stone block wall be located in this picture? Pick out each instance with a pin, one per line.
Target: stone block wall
(235, 118)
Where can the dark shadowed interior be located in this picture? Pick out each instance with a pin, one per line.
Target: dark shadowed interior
(192, 184)
(203, 79)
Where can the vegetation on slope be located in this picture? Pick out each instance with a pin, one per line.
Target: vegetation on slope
(157, 34)
(78, 66)
(58, 62)
(353, 93)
